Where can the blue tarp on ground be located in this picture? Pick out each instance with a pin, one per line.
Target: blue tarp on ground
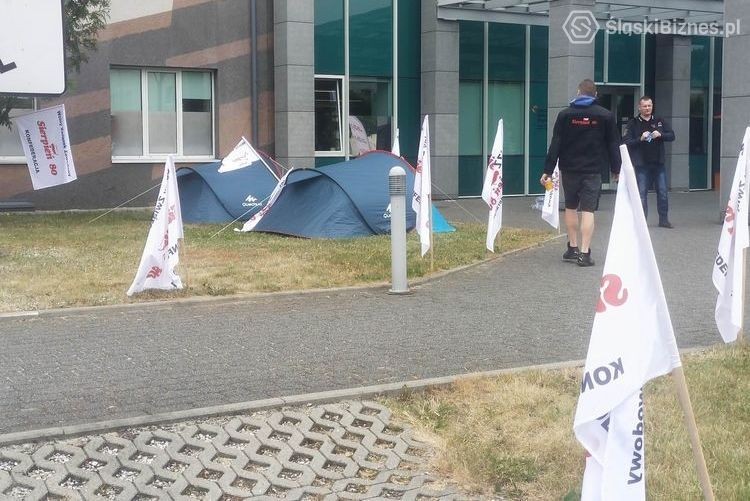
(207, 196)
(342, 200)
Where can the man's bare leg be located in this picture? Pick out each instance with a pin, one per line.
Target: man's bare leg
(571, 222)
(587, 230)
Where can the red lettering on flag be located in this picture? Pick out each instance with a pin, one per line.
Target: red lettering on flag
(612, 293)
(729, 218)
(154, 272)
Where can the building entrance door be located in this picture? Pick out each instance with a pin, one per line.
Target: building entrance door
(623, 102)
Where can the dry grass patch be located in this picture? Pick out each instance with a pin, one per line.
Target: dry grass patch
(53, 260)
(513, 435)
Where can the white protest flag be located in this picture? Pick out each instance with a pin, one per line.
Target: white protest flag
(422, 197)
(551, 207)
(44, 135)
(396, 149)
(161, 253)
(241, 156)
(492, 191)
(359, 136)
(253, 221)
(729, 264)
(632, 341)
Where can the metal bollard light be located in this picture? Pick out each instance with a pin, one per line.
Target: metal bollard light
(397, 190)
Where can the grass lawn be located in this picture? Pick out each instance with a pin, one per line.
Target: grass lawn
(512, 436)
(54, 260)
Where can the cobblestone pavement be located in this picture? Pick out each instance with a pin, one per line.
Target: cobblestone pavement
(349, 450)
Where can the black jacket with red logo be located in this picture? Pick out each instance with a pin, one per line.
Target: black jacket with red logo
(584, 140)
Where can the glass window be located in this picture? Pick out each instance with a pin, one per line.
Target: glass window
(371, 38)
(624, 63)
(126, 115)
(599, 56)
(10, 141)
(469, 118)
(179, 113)
(470, 50)
(328, 115)
(506, 101)
(371, 101)
(329, 37)
(197, 123)
(162, 112)
(506, 52)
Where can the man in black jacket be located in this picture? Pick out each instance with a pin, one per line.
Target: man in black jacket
(645, 136)
(584, 144)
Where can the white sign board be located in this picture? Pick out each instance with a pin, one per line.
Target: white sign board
(32, 53)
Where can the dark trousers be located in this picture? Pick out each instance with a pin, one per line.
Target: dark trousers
(653, 175)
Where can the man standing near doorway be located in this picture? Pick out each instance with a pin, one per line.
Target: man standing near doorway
(584, 143)
(645, 136)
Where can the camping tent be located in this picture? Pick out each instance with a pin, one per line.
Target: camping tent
(207, 196)
(346, 199)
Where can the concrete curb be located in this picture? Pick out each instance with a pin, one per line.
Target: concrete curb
(239, 298)
(360, 393)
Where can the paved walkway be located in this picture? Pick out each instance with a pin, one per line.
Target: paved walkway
(351, 450)
(83, 366)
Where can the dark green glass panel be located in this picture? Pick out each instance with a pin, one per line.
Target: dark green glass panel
(370, 38)
(538, 118)
(538, 106)
(470, 175)
(536, 167)
(506, 46)
(624, 58)
(716, 139)
(470, 50)
(409, 39)
(649, 84)
(506, 101)
(599, 56)
(409, 91)
(322, 161)
(539, 53)
(470, 118)
(718, 60)
(698, 173)
(697, 142)
(329, 37)
(512, 175)
(699, 62)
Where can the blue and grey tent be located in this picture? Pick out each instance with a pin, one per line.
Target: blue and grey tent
(342, 200)
(208, 196)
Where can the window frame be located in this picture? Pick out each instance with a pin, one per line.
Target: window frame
(18, 159)
(147, 156)
(340, 109)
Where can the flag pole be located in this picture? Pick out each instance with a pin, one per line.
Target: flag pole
(678, 376)
(741, 333)
(183, 257)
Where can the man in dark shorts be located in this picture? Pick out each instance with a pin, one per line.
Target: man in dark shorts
(584, 143)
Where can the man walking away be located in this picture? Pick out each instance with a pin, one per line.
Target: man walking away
(645, 136)
(585, 142)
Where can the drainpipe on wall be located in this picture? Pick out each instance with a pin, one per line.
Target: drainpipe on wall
(254, 70)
